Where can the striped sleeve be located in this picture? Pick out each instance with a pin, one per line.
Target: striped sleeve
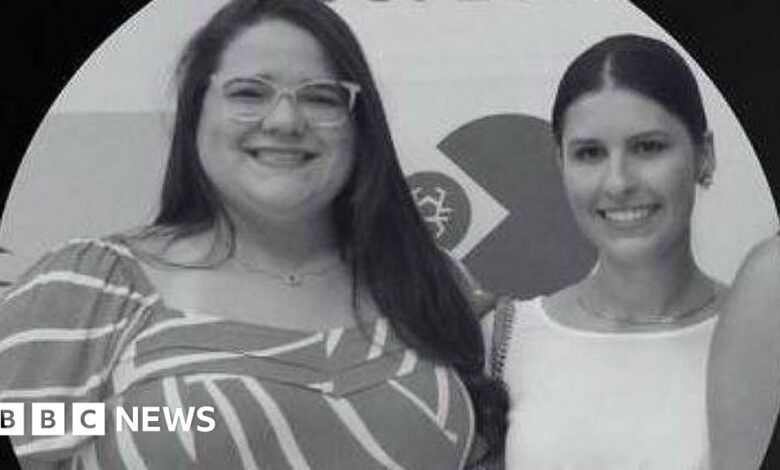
(62, 326)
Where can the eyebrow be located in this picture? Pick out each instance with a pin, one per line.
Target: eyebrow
(649, 134)
(268, 77)
(639, 135)
(247, 76)
(579, 142)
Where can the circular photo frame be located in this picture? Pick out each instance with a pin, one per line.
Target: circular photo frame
(469, 109)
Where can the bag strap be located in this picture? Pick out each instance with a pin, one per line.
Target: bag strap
(502, 333)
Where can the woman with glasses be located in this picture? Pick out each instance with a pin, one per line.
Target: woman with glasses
(287, 282)
(609, 373)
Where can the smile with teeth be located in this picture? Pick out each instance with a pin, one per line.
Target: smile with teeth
(627, 215)
(281, 157)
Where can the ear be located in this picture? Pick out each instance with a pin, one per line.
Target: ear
(706, 160)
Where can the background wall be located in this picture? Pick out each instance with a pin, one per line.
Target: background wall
(468, 86)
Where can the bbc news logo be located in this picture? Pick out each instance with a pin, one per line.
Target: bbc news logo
(89, 419)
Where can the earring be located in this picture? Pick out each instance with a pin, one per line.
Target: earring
(705, 180)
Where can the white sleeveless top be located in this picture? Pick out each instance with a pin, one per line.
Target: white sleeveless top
(583, 400)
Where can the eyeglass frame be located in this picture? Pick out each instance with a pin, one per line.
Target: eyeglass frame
(281, 91)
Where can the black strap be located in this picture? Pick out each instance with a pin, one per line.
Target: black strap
(502, 332)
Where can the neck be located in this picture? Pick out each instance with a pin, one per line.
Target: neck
(285, 245)
(667, 284)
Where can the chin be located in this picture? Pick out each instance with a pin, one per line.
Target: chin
(285, 212)
(632, 250)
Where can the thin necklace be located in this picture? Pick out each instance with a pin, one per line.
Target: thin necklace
(290, 278)
(663, 318)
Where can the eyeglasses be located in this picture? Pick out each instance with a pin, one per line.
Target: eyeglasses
(324, 103)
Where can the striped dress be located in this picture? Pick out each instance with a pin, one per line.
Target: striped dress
(86, 325)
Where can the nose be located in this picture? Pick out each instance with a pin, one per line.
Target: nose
(618, 175)
(285, 117)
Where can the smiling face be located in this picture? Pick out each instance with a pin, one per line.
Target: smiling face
(281, 168)
(630, 169)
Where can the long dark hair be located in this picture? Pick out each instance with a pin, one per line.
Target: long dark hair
(380, 233)
(645, 65)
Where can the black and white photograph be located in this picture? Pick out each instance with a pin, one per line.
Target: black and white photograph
(429, 234)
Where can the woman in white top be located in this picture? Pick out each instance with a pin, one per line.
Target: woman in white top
(744, 369)
(609, 373)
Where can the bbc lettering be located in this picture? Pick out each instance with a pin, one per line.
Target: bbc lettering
(11, 419)
(89, 419)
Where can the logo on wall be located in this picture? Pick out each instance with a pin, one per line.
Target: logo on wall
(444, 205)
(507, 207)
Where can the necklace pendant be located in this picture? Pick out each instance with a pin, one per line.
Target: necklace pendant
(292, 280)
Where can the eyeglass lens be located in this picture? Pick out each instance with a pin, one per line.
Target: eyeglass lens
(321, 103)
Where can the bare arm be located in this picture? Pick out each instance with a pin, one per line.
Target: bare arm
(744, 368)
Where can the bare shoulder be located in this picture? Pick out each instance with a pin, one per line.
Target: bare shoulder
(165, 252)
(562, 302)
(167, 262)
(755, 293)
(761, 267)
